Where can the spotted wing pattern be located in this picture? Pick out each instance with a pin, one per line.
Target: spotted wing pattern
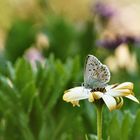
(96, 74)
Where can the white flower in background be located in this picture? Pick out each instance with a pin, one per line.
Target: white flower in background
(42, 41)
(111, 95)
(121, 59)
(95, 87)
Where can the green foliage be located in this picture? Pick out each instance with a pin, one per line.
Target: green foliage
(28, 99)
(20, 37)
(62, 35)
(87, 39)
(126, 126)
(31, 105)
(135, 132)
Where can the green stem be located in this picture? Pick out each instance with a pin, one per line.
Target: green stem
(99, 121)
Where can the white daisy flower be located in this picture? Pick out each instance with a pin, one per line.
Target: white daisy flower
(96, 77)
(111, 95)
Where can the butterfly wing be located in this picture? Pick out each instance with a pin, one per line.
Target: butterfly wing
(96, 74)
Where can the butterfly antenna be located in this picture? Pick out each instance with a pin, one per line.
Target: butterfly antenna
(76, 83)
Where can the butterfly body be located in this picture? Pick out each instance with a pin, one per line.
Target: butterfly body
(96, 74)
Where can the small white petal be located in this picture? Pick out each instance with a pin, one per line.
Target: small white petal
(118, 92)
(110, 102)
(75, 103)
(91, 98)
(76, 94)
(108, 87)
(133, 98)
(125, 85)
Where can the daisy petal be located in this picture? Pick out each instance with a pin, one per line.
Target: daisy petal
(75, 103)
(91, 98)
(108, 87)
(125, 85)
(133, 98)
(119, 101)
(97, 95)
(76, 94)
(110, 102)
(118, 93)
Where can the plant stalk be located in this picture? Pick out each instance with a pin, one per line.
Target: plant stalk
(99, 121)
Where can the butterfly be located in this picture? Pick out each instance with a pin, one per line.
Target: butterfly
(96, 75)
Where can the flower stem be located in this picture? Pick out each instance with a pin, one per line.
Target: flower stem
(99, 121)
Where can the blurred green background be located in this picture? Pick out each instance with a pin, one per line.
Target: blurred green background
(43, 46)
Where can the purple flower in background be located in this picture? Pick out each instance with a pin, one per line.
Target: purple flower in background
(33, 55)
(132, 40)
(111, 43)
(114, 43)
(104, 10)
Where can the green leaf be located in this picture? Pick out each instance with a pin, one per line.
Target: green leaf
(19, 38)
(17, 122)
(10, 71)
(126, 126)
(24, 126)
(135, 132)
(114, 130)
(23, 74)
(62, 35)
(59, 84)
(8, 93)
(27, 95)
(46, 77)
(42, 133)
(36, 117)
